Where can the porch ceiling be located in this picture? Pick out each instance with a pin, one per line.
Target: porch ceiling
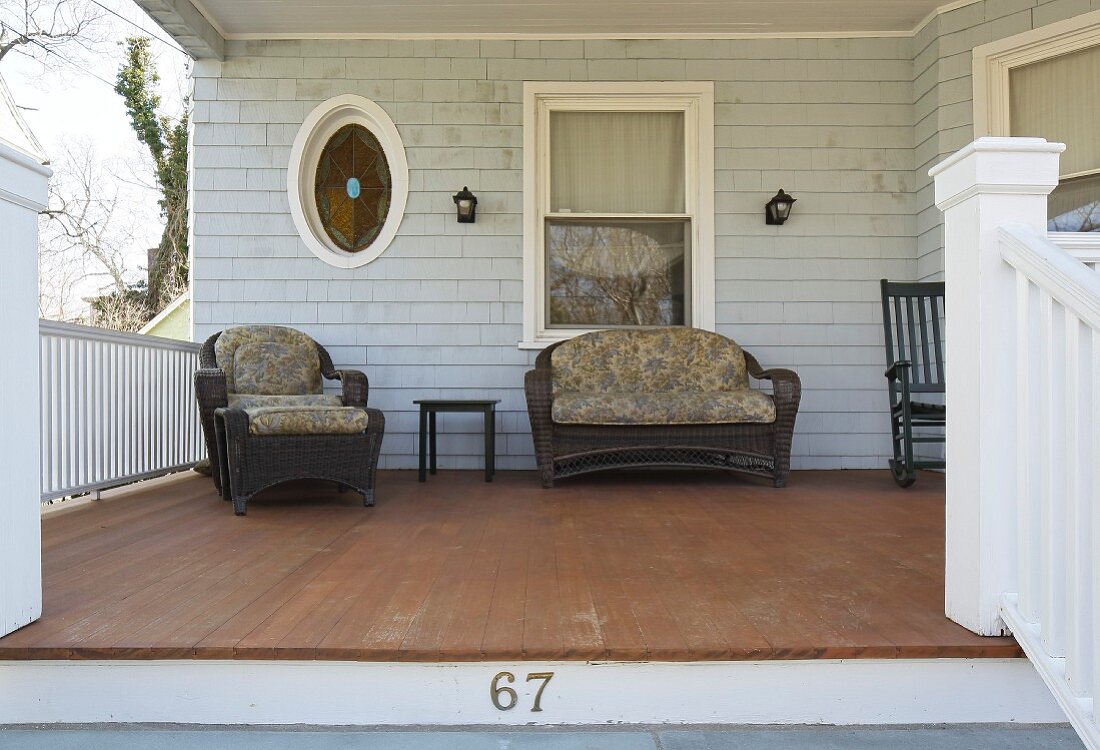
(269, 19)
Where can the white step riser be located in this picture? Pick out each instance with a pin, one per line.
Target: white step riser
(335, 693)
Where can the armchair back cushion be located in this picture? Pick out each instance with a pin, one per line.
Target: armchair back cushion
(660, 360)
(268, 361)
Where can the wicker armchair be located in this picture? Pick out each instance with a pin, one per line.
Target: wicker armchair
(658, 397)
(266, 420)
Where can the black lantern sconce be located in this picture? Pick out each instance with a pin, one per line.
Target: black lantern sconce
(778, 209)
(467, 206)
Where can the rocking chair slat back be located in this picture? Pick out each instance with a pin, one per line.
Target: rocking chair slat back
(911, 316)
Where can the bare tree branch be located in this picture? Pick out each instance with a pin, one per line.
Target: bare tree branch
(43, 28)
(85, 241)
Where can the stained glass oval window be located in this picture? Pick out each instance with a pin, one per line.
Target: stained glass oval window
(353, 188)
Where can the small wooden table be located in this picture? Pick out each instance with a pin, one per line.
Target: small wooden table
(430, 407)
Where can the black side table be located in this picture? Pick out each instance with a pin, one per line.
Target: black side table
(430, 407)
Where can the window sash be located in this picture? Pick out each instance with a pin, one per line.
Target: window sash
(647, 282)
(617, 161)
(1055, 98)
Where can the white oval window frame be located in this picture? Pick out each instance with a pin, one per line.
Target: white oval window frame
(316, 130)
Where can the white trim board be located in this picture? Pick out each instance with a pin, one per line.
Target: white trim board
(994, 61)
(312, 138)
(904, 33)
(849, 692)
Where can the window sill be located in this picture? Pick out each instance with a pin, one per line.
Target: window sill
(539, 344)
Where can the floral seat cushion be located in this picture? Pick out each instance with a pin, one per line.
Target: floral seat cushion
(306, 420)
(742, 406)
(254, 400)
(268, 360)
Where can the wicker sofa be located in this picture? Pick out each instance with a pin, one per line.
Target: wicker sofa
(266, 419)
(658, 397)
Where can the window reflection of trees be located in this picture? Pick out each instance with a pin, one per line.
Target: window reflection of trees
(1081, 219)
(616, 274)
(1075, 206)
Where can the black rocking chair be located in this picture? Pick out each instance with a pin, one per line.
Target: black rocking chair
(912, 315)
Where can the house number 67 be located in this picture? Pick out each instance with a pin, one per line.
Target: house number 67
(505, 698)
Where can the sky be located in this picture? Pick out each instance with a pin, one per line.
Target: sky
(72, 105)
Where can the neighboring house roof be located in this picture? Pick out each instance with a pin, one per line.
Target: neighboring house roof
(173, 322)
(14, 130)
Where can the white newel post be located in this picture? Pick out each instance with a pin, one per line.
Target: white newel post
(991, 182)
(23, 189)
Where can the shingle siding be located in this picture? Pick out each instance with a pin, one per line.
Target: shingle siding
(849, 126)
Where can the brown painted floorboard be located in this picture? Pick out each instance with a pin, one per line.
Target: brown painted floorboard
(673, 566)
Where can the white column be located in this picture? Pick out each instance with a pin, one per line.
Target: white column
(991, 182)
(23, 189)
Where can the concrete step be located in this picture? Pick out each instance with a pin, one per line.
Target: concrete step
(954, 737)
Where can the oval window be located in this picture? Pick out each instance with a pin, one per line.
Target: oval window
(348, 181)
(353, 188)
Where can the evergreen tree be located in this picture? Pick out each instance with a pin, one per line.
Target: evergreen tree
(167, 143)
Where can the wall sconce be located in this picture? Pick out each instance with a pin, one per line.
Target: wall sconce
(778, 208)
(467, 205)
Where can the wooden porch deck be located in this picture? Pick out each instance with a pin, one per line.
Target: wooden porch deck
(649, 566)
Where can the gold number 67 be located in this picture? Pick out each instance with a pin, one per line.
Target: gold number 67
(496, 690)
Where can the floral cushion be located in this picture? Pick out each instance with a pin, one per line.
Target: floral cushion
(659, 360)
(268, 360)
(251, 400)
(306, 420)
(743, 406)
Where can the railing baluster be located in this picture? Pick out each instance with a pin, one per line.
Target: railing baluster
(117, 417)
(1078, 553)
(84, 410)
(66, 413)
(1090, 498)
(1051, 615)
(1027, 506)
(44, 441)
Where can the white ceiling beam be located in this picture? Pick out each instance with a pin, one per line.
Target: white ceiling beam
(188, 26)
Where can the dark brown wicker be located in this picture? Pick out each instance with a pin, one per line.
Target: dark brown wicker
(243, 464)
(563, 450)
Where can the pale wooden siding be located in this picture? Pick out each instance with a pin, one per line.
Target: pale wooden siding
(440, 312)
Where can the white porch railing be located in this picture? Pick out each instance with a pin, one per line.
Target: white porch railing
(1053, 612)
(1085, 247)
(1023, 442)
(115, 408)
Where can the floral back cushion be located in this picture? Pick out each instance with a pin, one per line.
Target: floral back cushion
(268, 360)
(651, 360)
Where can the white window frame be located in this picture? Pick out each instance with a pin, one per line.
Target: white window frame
(993, 64)
(696, 100)
(316, 130)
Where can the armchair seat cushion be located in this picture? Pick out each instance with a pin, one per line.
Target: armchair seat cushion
(306, 420)
(741, 406)
(256, 400)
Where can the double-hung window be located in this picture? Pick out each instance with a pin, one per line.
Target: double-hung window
(618, 207)
(1045, 83)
